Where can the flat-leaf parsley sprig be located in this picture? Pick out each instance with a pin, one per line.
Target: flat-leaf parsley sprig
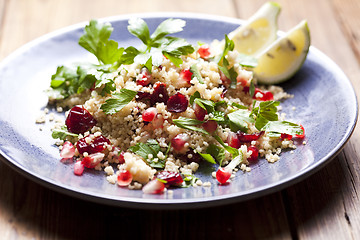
(158, 44)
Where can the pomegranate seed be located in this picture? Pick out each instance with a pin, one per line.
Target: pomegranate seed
(204, 51)
(121, 157)
(98, 144)
(301, 136)
(158, 121)
(243, 137)
(190, 157)
(124, 178)
(243, 82)
(68, 150)
(210, 126)
(78, 168)
(149, 114)
(177, 103)
(144, 78)
(263, 96)
(179, 141)
(171, 178)
(254, 153)
(222, 175)
(142, 95)
(284, 136)
(154, 187)
(92, 160)
(199, 112)
(79, 120)
(160, 94)
(233, 140)
(186, 75)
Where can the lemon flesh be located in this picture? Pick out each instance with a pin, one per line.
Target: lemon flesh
(284, 57)
(258, 31)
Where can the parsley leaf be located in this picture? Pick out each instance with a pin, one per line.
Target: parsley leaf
(276, 128)
(239, 120)
(158, 44)
(246, 61)
(96, 40)
(207, 157)
(196, 73)
(190, 124)
(62, 133)
(217, 152)
(189, 180)
(233, 151)
(150, 147)
(265, 112)
(120, 100)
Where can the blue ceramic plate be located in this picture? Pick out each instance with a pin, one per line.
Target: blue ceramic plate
(324, 99)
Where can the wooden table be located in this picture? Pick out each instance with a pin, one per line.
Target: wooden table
(324, 206)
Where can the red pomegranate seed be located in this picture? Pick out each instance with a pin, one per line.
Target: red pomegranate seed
(149, 114)
(144, 78)
(222, 175)
(204, 51)
(263, 95)
(78, 168)
(179, 141)
(301, 136)
(243, 82)
(158, 121)
(68, 150)
(160, 94)
(199, 112)
(210, 126)
(171, 178)
(243, 137)
(186, 75)
(79, 120)
(142, 95)
(233, 141)
(254, 153)
(124, 178)
(190, 157)
(121, 157)
(284, 136)
(98, 144)
(154, 187)
(177, 103)
(92, 160)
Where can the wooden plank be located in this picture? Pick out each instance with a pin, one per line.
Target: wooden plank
(325, 206)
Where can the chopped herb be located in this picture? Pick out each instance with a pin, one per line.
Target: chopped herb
(217, 152)
(62, 133)
(196, 73)
(96, 40)
(239, 120)
(119, 101)
(223, 64)
(190, 124)
(189, 180)
(276, 128)
(158, 44)
(207, 157)
(265, 112)
(145, 149)
(233, 151)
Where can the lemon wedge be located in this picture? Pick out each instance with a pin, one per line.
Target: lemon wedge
(284, 57)
(259, 31)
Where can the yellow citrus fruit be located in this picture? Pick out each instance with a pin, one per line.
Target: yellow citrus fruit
(284, 57)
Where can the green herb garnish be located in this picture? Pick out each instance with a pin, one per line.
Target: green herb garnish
(119, 101)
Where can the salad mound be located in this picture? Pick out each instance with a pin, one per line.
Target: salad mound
(148, 116)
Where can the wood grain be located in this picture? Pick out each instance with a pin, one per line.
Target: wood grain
(324, 206)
